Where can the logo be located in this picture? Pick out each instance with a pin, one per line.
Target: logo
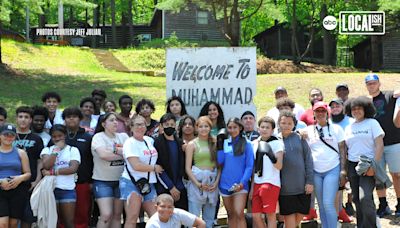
(329, 23)
(362, 22)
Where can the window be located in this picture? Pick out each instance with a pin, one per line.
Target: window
(144, 37)
(202, 17)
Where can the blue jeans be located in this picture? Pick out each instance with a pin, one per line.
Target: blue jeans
(326, 186)
(207, 210)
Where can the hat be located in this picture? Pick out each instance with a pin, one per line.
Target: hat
(336, 100)
(342, 85)
(320, 104)
(280, 89)
(371, 77)
(8, 128)
(247, 113)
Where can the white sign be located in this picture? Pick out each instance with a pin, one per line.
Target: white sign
(362, 22)
(224, 75)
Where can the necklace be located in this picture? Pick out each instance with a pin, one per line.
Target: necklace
(21, 143)
(69, 134)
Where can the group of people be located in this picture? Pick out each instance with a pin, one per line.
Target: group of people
(130, 163)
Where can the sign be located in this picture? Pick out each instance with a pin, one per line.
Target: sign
(362, 22)
(224, 75)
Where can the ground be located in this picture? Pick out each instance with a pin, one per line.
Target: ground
(31, 70)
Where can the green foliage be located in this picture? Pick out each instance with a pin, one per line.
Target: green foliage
(142, 59)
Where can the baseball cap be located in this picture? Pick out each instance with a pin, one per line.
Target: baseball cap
(342, 85)
(336, 100)
(247, 113)
(280, 89)
(371, 77)
(320, 104)
(8, 128)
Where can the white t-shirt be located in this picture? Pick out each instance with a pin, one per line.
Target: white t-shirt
(69, 153)
(139, 149)
(324, 158)
(57, 120)
(107, 170)
(179, 217)
(360, 138)
(270, 173)
(45, 138)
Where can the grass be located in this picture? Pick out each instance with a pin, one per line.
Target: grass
(75, 72)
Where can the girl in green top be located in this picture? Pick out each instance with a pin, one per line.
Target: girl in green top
(201, 169)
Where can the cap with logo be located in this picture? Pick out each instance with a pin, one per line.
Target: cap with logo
(8, 128)
(371, 77)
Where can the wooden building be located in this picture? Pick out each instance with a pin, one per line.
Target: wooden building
(276, 43)
(190, 23)
(389, 51)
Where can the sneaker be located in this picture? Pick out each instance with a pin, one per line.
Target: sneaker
(383, 211)
(312, 214)
(349, 209)
(344, 216)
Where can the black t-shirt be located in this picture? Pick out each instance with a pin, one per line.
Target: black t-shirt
(385, 104)
(83, 141)
(33, 146)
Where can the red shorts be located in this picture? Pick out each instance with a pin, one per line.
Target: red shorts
(265, 198)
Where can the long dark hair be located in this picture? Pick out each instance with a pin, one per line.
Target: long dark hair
(102, 119)
(220, 118)
(176, 98)
(182, 123)
(240, 146)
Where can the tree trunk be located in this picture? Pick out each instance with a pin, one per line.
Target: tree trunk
(71, 17)
(1, 59)
(95, 22)
(130, 23)
(113, 26)
(375, 65)
(235, 25)
(329, 41)
(295, 45)
(60, 16)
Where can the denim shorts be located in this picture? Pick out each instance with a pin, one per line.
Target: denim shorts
(106, 189)
(65, 196)
(391, 157)
(127, 188)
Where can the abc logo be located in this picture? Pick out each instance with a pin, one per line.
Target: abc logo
(329, 23)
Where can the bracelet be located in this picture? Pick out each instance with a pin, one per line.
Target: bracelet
(154, 168)
(51, 171)
(54, 154)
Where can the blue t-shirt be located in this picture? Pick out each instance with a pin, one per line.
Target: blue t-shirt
(236, 169)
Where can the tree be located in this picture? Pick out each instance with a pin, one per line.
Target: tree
(231, 12)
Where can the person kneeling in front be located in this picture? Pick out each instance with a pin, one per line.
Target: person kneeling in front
(169, 216)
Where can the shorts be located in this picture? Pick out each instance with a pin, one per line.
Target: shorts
(228, 194)
(127, 188)
(12, 202)
(106, 189)
(265, 198)
(294, 204)
(391, 157)
(28, 213)
(65, 196)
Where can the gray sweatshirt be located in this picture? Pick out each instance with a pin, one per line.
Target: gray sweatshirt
(297, 169)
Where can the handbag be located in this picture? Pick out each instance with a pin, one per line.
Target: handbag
(142, 184)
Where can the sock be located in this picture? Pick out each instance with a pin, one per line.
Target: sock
(382, 201)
